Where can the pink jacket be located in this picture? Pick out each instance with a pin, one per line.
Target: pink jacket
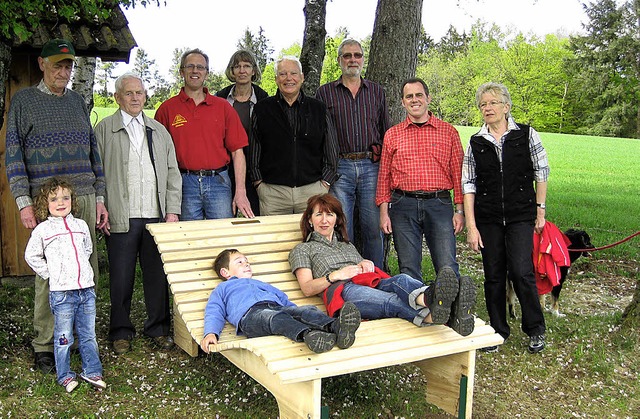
(549, 254)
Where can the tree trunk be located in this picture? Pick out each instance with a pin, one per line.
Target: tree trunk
(5, 65)
(393, 56)
(83, 79)
(313, 42)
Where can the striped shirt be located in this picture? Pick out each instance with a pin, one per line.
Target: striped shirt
(538, 157)
(359, 121)
(424, 158)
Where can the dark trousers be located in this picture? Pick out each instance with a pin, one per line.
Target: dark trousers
(269, 318)
(124, 249)
(508, 251)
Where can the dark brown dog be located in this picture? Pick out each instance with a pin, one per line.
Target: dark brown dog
(579, 240)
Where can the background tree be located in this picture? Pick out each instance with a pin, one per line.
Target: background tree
(313, 44)
(392, 62)
(83, 77)
(605, 71)
(259, 45)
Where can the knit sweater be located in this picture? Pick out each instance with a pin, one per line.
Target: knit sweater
(47, 136)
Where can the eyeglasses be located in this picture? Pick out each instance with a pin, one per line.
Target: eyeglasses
(192, 67)
(493, 104)
(348, 55)
(245, 67)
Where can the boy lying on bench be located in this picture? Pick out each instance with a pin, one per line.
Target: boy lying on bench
(256, 309)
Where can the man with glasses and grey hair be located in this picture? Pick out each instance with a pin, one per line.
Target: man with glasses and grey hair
(293, 150)
(49, 134)
(144, 186)
(208, 136)
(358, 109)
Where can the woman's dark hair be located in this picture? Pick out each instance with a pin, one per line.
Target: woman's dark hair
(329, 203)
(41, 203)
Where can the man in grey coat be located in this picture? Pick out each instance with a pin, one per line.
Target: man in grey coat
(143, 186)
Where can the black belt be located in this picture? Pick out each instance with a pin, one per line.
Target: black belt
(204, 172)
(423, 194)
(356, 156)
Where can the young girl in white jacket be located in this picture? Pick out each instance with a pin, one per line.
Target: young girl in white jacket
(58, 251)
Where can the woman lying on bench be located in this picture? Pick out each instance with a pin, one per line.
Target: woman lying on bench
(259, 309)
(326, 263)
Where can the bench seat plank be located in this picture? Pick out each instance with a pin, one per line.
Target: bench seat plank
(289, 370)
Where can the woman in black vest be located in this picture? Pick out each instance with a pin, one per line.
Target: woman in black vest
(502, 163)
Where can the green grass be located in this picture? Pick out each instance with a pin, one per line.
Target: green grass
(590, 367)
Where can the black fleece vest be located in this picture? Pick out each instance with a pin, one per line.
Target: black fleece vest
(291, 158)
(504, 192)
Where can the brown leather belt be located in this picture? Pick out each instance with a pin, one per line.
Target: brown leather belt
(204, 172)
(424, 194)
(356, 156)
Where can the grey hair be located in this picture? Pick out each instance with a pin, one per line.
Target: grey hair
(349, 41)
(287, 58)
(498, 90)
(128, 75)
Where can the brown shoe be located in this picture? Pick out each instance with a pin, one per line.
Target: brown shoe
(163, 342)
(121, 346)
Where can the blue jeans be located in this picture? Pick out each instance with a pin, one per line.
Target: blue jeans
(269, 318)
(393, 297)
(206, 197)
(79, 307)
(507, 251)
(357, 187)
(413, 218)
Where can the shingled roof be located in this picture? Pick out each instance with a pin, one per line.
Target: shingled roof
(109, 39)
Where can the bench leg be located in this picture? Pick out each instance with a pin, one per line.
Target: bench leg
(296, 400)
(181, 335)
(450, 382)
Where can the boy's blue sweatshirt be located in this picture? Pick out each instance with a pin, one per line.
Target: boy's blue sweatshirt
(231, 299)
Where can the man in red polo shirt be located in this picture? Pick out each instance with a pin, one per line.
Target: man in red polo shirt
(206, 130)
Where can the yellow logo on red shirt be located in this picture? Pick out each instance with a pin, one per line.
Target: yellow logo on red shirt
(179, 121)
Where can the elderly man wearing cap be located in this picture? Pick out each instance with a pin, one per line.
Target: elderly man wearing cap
(49, 134)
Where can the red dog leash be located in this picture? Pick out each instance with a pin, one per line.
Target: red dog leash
(637, 233)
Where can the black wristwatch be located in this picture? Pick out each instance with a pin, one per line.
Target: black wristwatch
(542, 205)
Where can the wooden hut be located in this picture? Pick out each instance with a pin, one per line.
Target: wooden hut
(111, 40)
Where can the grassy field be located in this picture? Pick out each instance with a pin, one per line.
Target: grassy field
(589, 369)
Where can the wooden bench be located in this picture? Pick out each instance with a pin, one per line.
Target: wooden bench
(289, 370)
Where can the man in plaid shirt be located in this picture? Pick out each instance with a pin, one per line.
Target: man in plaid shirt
(421, 163)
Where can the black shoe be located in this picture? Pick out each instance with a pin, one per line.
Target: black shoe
(163, 342)
(441, 294)
(319, 341)
(536, 344)
(461, 320)
(121, 346)
(346, 324)
(45, 362)
(489, 349)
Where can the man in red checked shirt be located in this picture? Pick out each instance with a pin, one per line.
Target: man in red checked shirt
(421, 163)
(208, 136)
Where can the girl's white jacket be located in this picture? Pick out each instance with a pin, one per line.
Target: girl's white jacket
(59, 250)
